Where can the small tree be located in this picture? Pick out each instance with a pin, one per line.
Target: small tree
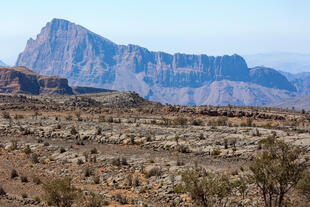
(277, 170)
(206, 189)
(59, 192)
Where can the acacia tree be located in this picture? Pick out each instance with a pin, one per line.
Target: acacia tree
(207, 189)
(277, 170)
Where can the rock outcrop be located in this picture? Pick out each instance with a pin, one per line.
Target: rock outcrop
(68, 50)
(23, 80)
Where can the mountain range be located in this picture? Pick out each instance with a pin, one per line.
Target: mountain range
(71, 51)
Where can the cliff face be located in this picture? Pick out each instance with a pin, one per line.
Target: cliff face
(22, 80)
(68, 50)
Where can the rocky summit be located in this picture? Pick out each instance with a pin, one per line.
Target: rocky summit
(71, 51)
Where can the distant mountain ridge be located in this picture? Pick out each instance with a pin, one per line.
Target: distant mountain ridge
(71, 51)
(287, 62)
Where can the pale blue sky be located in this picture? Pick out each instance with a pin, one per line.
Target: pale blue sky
(189, 26)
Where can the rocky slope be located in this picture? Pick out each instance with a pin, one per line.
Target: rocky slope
(68, 50)
(23, 80)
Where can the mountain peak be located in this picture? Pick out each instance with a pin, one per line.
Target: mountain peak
(68, 50)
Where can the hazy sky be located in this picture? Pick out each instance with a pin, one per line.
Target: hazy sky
(214, 27)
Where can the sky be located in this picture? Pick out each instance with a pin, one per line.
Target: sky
(214, 27)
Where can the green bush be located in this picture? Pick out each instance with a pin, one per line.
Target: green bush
(59, 192)
(206, 189)
(216, 152)
(27, 150)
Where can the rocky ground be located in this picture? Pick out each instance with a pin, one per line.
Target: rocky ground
(128, 150)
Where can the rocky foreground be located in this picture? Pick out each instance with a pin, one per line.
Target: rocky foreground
(132, 152)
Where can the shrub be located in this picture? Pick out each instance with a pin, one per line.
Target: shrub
(216, 152)
(116, 162)
(62, 150)
(110, 119)
(34, 158)
(88, 172)
(69, 117)
(46, 144)
(37, 199)
(221, 121)
(226, 143)
(27, 150)
(180, 162)
(206, 189)
(36, 180)
(121, 199)
(14, 145)
(183, 149)
(14, 174)
(80, 162)
(101, 118)
(59, 192)
(2, 191)
(94, 151)
(97, 180)
(99, 131)
(73, 131)
(197, 122)
(180, 121)
(24, 195)
(6, 115)
(24, 179)
(124, 161)
(94, 201)
(155, 171)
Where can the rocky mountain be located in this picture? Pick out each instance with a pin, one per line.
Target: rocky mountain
(71, 51)
(301, 81)
(23, 80)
